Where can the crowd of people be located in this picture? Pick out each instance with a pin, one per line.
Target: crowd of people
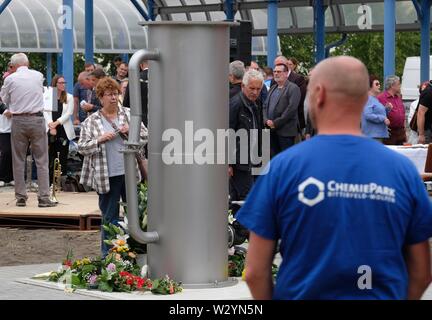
(331, 205)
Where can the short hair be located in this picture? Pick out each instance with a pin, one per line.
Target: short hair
(117, 58)
(293, 60)
(390, 80)
(252, 74)
(97, 73)
(124, 63)
(268, 71)
(423, 86)
(372, 78)
(82, 76)
(237, 69)
(19, 59)
(88, 64)
(282, 65)
(106, 84)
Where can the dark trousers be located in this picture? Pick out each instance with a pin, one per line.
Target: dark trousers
(58, 144)
(109, 206)
(397, 137)
(240, 184)
(279, 143)
(6, 172)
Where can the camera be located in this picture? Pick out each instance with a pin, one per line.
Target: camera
(3, 107)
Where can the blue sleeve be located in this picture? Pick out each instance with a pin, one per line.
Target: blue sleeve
(420, 226)
(76, 90)
(370, 115)
(258, 214)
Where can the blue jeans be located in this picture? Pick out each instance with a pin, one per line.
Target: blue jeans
(109, 206)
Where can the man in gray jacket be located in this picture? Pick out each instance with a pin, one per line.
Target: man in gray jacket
(280, 111)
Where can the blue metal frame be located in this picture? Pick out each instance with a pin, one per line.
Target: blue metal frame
(4, 5)
(319, 30)
(150, 10)
(49, 68)
(140, 10)
(89, 48)
(423, 14)
(68, 57)
(272, 31)
(389, 37)
(59, 63)
(229, 10)
(335, 44)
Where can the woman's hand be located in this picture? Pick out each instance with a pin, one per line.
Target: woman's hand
(124, 129)
(107, 136)
(53, 125)
(53, 131)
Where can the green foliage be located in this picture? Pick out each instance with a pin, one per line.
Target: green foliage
(368, 47)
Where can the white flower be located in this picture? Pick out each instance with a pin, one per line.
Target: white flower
(144, 271)
(120, 241)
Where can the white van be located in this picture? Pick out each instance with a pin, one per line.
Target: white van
(411, 78)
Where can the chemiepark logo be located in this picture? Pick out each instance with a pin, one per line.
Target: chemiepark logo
(312, 191)
(222, 146)
(319, 196)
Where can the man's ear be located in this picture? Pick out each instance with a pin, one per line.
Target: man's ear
(320, 96)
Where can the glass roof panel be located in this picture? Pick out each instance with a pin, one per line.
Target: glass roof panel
(29, 34)
(304, 17)
(172, 3)
(198, 16)
(259, 18)
(179, 17)
(284, 18)
(352, 14)
(405, 12)
(9, 32)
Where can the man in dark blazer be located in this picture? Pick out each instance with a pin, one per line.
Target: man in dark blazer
(144, 93)
(300, 81)
(280, 110)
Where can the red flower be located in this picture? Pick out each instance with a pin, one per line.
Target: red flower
(124, 274)
(171, 289)
(129, 282)
(67, 263)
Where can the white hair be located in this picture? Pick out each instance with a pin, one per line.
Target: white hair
(252, 75)
(237, 69)
(19, 59)
(390, 80)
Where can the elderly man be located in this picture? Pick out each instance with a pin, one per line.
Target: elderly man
(244, 114)
(391, 99)
(82, 93)
(300, 81)
(350, 227)
(235, 76)
(280, 111)
(23, 91)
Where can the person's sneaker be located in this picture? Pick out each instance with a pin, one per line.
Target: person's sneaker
(46, 204)
(34, 185)
(2, 183)
(12, 183)
(21, 203)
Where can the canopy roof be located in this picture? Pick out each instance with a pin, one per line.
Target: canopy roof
(33, 26)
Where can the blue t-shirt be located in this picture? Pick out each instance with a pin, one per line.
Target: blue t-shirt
(337, 203)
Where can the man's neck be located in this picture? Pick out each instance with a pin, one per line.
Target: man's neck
(282, 84)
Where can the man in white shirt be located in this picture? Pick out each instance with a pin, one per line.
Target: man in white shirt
(23, 92)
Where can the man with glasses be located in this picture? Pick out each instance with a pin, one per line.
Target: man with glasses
(280, 111)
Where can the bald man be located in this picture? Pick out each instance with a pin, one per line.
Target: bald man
(350, 226)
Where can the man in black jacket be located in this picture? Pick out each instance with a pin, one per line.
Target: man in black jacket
(244, 115)
(144, 93)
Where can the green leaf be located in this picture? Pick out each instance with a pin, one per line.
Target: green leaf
(106, 287)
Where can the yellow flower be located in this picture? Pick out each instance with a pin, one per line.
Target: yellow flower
(244, 274)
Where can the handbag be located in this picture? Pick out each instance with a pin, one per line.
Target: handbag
(140, 158)
(413, 122)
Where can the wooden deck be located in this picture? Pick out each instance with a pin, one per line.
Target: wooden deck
(77, 211)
